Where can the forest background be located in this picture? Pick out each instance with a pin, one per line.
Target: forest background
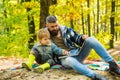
(20, 21)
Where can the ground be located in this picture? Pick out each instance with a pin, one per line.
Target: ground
(52, 74)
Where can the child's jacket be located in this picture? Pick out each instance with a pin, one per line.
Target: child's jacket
(46, 51)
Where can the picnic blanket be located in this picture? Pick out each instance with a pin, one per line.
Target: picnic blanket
(92, 64)
(99, 65)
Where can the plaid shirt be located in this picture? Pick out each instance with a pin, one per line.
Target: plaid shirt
(71, 38)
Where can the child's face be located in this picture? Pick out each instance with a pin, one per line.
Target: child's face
(45, 41)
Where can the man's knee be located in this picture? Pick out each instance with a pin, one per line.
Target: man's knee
(68, 61)
(90, 40)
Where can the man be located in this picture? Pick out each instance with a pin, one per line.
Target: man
(68, 39)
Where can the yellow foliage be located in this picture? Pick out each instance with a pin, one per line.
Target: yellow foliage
(31, 4)
(19, 11)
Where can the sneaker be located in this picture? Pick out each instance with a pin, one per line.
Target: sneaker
(99, 77)
(114, 68)
(24, 65)
(38, 69)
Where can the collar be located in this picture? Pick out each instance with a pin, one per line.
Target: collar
(39, 44)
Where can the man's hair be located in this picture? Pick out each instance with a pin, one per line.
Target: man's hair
(51, 19)
(43, 33)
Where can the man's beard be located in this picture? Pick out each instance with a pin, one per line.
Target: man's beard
(54, 32)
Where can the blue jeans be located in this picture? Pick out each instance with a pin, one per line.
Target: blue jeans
(75, 62)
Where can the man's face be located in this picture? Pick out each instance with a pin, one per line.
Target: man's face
(53, 28)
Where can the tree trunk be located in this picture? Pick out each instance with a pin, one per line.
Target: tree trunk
(116, 38)
(112, 30)
(31, 26)
(44, 12)
(6, 27)
(106, 10)
(83, 27)
(117, 19)
(71, 23)
(94, 23)
(89, 32)
(98, 10)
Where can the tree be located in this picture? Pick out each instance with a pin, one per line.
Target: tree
(98, 10)
(31, 26)
(83, 27)
(88, 16)
(6, 28)
(44, 10)
(112, 30)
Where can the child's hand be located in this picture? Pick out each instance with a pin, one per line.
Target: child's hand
(65, 52)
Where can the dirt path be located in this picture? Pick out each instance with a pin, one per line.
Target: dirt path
(115, 52)
(52, 74)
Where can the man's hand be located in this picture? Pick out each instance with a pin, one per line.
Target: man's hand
(65, 52)
(84, 37)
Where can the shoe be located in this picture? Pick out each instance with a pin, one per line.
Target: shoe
(114, 68)
(38, 69)
(41, 68)
(28, 64)
(99, 77)
(24, 65)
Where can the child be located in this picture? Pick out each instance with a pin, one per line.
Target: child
(42, 52)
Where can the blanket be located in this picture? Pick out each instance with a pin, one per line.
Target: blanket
(92, 64)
